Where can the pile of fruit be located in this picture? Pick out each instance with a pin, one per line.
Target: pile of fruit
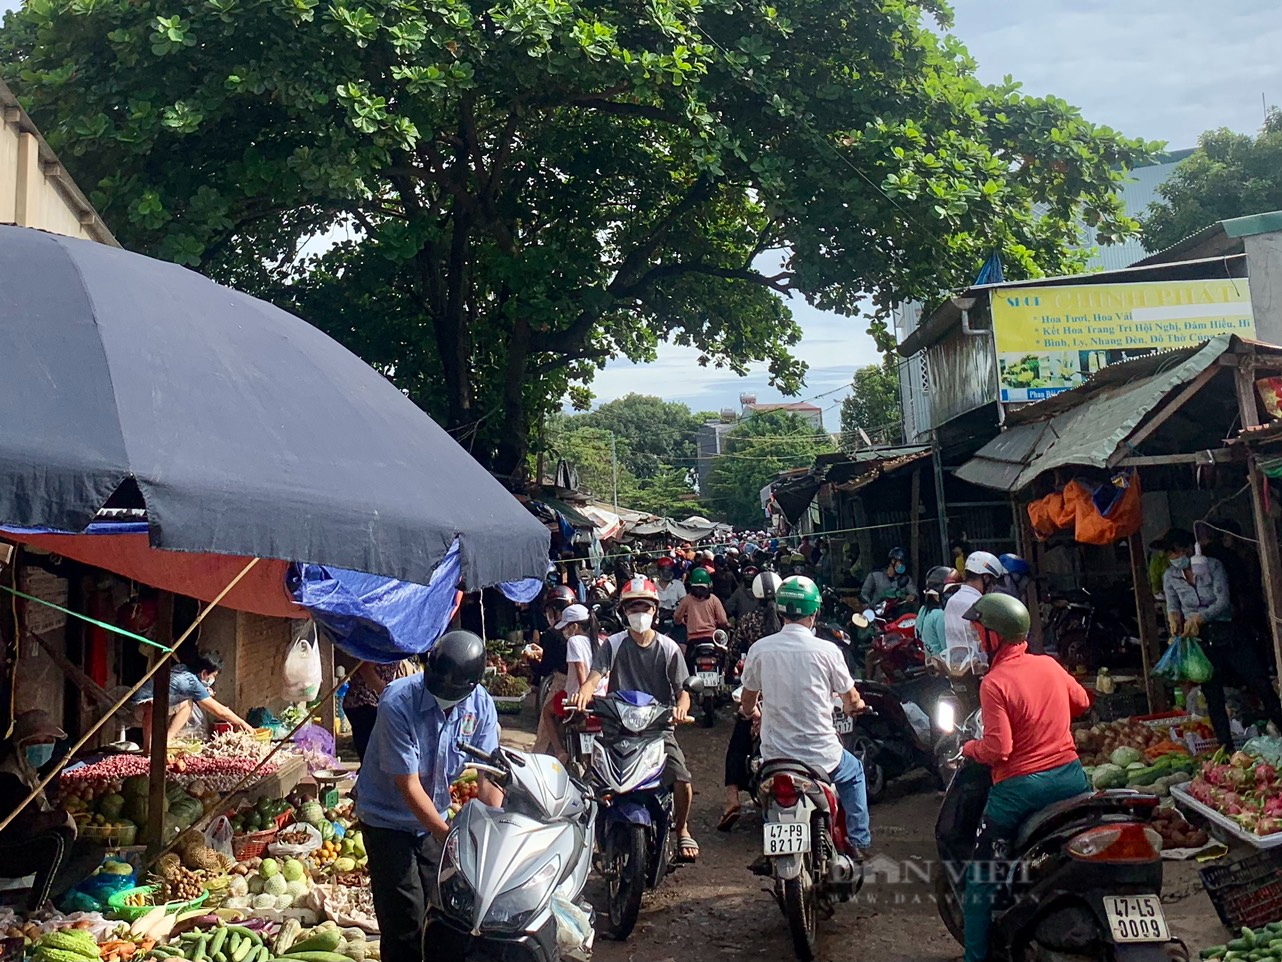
(267, 884)
(1176, 832)
(259, 817)
(505, 685)
(341, 856)
(1096, 745)
(462, 792)
(1244, 788)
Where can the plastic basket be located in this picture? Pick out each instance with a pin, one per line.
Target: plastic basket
(131, 912)
(509, 704)
(1247, 892)
(285, 819)
(252, 844)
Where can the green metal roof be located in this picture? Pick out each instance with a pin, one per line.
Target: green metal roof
(1218, 239)
(1088, 426)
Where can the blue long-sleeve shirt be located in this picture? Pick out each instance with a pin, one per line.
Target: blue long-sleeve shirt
(1208, 595)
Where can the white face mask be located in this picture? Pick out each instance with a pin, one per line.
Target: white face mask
(446, 704)
(640, 622)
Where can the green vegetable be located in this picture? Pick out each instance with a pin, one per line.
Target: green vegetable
(217, 941)
(316, 957)
(199, 954)
(321, 940)
(1109, 776)
(1213, 952)
(1126, 755)
(242, 950)
(1142, 776)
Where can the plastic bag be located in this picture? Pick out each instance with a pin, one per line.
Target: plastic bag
(1194, 665)
(218, 836)
(1168, 667)
(574, 935)
(303, 668)
(285, 850)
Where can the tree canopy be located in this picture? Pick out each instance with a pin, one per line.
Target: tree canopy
(755, 451)
(512, 192)
(873, 406)
(660, 433)
(1229, 175)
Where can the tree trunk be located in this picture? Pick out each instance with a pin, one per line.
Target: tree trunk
(513, 435)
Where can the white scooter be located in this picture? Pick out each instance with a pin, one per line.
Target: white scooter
(511, 880)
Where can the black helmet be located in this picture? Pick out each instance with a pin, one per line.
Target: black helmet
(937, 577)
(559, 598)
(455, 665)
(898, 554)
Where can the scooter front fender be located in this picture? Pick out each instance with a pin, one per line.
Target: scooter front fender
(630, 810)
(786, 867)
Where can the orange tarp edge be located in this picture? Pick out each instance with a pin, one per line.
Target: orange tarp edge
(200, 576)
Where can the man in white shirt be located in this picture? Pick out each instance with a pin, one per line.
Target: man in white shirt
(961, 642)
(795, 675)
(671, 590)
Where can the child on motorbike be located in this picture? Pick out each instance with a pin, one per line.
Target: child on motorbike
(1028, 702)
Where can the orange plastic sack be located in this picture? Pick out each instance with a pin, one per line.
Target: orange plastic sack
(1075, 507)
(1050, 514)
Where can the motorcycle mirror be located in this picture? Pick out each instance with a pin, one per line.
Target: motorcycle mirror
(859, 619)
(694, 685)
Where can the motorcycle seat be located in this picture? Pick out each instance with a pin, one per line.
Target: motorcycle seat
(791, 767)
(1060, 814)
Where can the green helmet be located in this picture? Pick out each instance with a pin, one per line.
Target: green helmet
(1002, 614)
(798, 597)
(700, 576)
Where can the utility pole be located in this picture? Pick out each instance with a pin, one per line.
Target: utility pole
(614, 465)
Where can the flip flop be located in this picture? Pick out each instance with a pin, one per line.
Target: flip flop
(687, 849)
(728, 820)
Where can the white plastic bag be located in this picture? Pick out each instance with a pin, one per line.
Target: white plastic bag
(574, 935)
(285, 850)
(303, 668)
(218, 836)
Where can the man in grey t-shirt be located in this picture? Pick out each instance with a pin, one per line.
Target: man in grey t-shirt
(641, 659)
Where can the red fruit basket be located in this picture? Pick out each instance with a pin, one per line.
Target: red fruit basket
(252, 844)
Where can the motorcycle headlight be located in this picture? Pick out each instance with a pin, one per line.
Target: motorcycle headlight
(636, 718)
(457, 896)
(945, 715)
(513, 909)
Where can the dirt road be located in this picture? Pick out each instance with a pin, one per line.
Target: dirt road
(718, 910)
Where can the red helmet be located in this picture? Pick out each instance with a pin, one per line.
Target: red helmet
(665, 562)
(640, 589)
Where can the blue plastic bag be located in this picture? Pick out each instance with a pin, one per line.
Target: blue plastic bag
(1168, 667)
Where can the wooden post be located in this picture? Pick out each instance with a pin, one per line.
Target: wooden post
(1146, 615)
(915, 552)
(155, 828)
(1265, 532)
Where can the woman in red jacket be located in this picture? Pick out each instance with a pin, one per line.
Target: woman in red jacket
(1028, 703)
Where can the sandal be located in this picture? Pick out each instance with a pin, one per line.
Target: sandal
(728, 820)
(687, 849)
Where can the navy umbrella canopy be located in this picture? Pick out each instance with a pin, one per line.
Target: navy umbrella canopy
(246, 430)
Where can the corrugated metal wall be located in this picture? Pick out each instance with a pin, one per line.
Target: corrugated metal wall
(963, 376)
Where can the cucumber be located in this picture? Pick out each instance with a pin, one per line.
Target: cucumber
(1240, 945)
(241, 952)
(1213, 952)
(217, 941)
(199, 954)
(244, 933)
(262, 955)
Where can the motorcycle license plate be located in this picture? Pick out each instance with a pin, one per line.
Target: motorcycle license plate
(710, 679)
(786, 838)
(843, 723)
(586, 741)
(1136, 918)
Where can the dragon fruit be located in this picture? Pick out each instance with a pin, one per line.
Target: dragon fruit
(1265, 775)
(1241, 760)
(1268, 826)
(1273, 806)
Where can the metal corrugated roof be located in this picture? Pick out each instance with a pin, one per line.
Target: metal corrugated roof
(1088, 426)
(1222, 238)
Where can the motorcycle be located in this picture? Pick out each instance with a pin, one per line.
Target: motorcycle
(894, 738)
(708, 659)
(894, 650)
(635, 841)
(804, 844)
(505, 874)
(1084, 878)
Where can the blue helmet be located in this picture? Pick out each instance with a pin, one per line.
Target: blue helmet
(1015, 565)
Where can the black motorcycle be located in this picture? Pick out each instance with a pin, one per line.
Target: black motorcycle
(707, 660)
(886, 740)
(1085, 874)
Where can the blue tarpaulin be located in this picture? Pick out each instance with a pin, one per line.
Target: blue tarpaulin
(379, 619)
(522, 592)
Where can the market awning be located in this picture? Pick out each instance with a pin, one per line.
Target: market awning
(1087, 426)
(666, 527)
(852, 471)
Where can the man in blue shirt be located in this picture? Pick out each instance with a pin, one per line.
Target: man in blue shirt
(403, 791)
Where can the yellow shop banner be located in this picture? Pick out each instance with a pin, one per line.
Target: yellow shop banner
(1050, 339)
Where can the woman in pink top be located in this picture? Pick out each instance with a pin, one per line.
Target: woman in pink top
(701, 612)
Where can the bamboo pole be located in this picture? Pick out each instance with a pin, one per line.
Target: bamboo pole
(124, 699)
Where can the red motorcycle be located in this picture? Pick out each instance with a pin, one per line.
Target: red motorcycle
(895, 649)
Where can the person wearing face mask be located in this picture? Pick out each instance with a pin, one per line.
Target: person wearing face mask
(892, 583)
(39, 840)
(403, 790)
(189, 686)
(641, 659)
(1199, 603)
(1028, 703)
(671, 588)
(700, 612)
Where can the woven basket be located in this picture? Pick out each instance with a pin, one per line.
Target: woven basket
(252, 844)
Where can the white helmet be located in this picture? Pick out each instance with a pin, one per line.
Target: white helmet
(765, 578)
(984, 563)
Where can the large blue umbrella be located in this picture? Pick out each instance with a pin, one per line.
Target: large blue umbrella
(245, 430)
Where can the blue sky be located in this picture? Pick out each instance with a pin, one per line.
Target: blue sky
(1160, 69)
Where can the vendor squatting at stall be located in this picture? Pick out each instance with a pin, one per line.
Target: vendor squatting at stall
(187, 687)
(38, 840)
